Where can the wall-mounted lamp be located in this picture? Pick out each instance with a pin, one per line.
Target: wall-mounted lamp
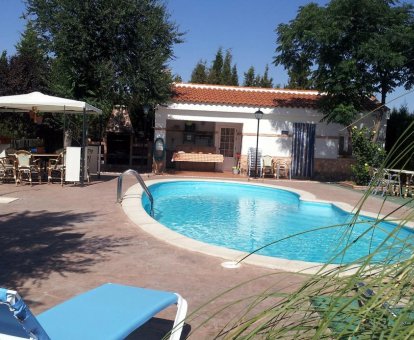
(146, 109)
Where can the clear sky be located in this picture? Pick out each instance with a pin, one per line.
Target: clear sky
(246, 27)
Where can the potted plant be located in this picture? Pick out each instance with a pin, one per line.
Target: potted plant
(236, 170)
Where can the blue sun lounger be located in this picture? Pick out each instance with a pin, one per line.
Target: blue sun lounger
(110, 311)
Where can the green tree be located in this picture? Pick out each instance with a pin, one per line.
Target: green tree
(265, 81)
(215, 75)
(226, 75)
(367, 153)
(250, 78)
(234, 76)
(29, 69)
(221, 71)
(257, 80)
(4, 74)
(297, 46)
(177, 78)
(200, 73)
(299, 76)
(351, 50)
(108, 51)
(16, 124)
(400, 120)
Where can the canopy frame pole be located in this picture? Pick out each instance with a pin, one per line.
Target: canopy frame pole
(64, 126)
(83, 153)
(100, 146)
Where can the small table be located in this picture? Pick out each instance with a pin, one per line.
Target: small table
(408, 179)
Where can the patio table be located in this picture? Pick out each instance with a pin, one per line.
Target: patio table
(408, 180)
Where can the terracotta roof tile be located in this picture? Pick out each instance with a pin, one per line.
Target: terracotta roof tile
(243, 96)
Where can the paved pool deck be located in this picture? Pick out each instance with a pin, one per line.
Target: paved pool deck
(58, 242)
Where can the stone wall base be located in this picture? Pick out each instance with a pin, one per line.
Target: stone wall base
(333, 170)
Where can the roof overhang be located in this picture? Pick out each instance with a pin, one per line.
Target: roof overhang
(244, 96)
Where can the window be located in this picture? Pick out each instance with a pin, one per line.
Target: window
(343, 147)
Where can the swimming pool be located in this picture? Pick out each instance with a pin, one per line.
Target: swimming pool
(246, 217)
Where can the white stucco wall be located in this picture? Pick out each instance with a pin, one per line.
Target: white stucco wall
(274, 121)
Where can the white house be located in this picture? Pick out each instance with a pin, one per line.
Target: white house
(221, 119)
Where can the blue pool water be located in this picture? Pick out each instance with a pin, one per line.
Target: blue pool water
(247, 217)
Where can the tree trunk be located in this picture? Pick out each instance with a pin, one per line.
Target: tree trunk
(377, 124)
(378, 117)
(67, 138)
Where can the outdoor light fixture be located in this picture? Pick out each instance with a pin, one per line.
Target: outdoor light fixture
(258, 115)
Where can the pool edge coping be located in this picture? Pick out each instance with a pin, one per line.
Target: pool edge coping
(131, 204)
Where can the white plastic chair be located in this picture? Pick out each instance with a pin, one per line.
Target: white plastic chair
(267, 165)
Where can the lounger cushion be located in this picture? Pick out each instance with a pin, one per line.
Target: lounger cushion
(101, 314)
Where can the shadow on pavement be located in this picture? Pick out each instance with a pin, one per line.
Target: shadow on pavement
(35, 244)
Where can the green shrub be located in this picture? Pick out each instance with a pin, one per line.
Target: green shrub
(367, 155)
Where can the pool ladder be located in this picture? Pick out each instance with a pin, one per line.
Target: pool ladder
(141, 182)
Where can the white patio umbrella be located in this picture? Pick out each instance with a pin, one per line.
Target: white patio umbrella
(39, 102)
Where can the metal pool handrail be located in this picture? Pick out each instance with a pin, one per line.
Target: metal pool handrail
(140, 181)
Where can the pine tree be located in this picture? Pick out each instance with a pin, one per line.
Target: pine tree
(29, 68)
(226, 75)
(234, 76)
(216, 70)
(200, 73)
(257, 81)
(4, 74)
(176, 78)
(221, 71)
(249, 77)
(265, 81)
